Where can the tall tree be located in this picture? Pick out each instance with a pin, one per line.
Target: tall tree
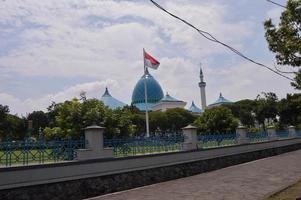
(217, 120)
(266, 107)
(244, 111)
(290, 110)
(285, 39)
(39, 119)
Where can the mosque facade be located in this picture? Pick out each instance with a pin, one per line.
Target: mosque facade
(156, 100)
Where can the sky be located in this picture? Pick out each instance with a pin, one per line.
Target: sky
(51, 51)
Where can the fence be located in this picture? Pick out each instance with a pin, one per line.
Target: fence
(298, 133)
(258, 137)
(217, 140)
(38, 152)
(140, 146)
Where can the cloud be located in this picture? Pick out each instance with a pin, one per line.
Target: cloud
(21, 107)
(91, 42)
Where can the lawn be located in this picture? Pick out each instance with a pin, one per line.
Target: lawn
(21, 157)
(293, 192)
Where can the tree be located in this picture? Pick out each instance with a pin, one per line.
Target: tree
(158, 121)
(178, 118)
(266, 108)
(290, 109)
(217, 120)
(40, 120)
(285, 39)
(244, 111)
(11, 126)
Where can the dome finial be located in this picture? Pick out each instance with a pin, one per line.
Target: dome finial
(220, 94)
(107, 93)
(146, 72)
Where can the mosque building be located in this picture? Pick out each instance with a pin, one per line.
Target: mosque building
(156, 101)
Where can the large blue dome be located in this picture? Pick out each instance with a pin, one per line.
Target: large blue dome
(154, 92)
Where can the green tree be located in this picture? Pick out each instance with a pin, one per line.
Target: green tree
(158, 121)
(217, 120)
(11, 126)
(178, 118)
(289, 110)
(4, 110)
(40, 120)
(244, 111)
(266, 108)
(285, 39)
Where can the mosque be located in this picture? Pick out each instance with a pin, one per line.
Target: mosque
(156, 100)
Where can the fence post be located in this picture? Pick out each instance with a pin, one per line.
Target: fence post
(272, 133)
(190, 138)
(292, 132)
(241, 135)
(94, 147)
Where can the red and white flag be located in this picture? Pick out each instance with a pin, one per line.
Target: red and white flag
(150, 61)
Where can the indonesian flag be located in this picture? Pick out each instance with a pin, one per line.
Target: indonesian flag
(150, 61)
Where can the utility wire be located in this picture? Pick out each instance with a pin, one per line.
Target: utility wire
(210, 37)
(276, 4)
(284, 72)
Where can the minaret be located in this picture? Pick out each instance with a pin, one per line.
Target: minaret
(202, 86)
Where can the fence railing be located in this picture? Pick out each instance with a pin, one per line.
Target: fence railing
(140, 146)
(258, 137)
(217, 140)
(282, 134)
(298, 133)
(38, 152)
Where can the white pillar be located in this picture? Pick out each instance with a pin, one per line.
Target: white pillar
(94, 145)
(190, 138)
(202, 85)
(272, 133)
(292, 132)
(241, 135)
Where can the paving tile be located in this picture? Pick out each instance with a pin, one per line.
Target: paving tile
(248, 181)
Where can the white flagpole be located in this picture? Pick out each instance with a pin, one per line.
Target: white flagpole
(145, 93)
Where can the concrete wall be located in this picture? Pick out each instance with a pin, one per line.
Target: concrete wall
(82, 179)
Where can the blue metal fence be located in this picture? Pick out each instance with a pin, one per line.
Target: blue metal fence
(140, 146)
(298, 132)
(42, 151)
(258, 137)
(217, 140)
(282, 134)
(38, 152)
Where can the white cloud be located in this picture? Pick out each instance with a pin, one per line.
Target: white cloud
(103, 40)
(92, 89)
(275, 14)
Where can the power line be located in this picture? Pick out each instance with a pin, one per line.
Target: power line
(284, 72)
(210, 37)
(278, 4)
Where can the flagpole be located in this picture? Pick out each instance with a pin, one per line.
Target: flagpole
(145, 95)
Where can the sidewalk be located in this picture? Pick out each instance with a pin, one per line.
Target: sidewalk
(253, 180)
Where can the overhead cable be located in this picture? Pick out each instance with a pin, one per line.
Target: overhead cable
(210, 37)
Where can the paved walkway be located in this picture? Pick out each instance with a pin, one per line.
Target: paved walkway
(253, 180)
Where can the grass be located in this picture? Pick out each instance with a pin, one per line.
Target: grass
(213, 144)
(293, 192)
(19, 157)
(142, 150)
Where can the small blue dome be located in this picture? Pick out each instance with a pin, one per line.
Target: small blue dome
(194, 109)
(110, 101)
(220, 100)
(154, 91)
